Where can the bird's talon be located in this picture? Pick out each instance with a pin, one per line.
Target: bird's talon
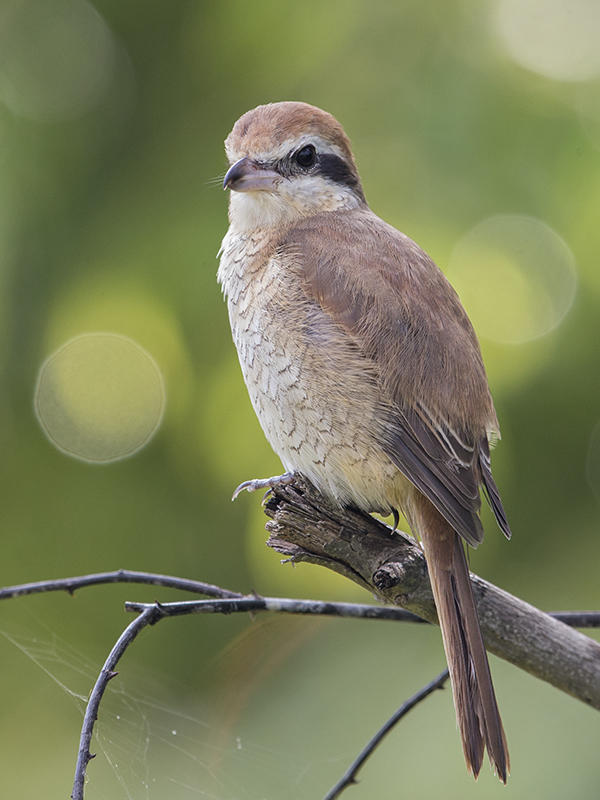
(264, 483)
(245, 485)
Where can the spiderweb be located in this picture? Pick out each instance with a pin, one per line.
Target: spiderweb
(161, 736)
(276, 710)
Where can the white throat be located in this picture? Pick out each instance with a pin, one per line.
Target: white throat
(294, 198)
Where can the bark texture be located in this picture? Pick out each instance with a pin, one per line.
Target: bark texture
(306, 527)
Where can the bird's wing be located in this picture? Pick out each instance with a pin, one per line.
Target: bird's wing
(382, 290)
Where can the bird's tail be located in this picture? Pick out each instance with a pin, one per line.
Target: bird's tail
(477, 712)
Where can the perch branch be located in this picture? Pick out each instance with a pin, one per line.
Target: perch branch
(306, 527)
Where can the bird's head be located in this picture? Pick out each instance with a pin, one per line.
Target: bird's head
(288, 160)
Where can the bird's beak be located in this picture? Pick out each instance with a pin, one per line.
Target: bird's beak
(247, 176)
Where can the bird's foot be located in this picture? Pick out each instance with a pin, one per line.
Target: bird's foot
(264, 483)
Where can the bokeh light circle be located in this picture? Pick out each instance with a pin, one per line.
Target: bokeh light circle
(100, 397)
(57, 58)
(555, 38)
(515, 276)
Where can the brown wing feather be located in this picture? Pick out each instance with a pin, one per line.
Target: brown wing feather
(451, 486)
(408, 321)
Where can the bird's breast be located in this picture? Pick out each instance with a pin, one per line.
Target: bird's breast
(315, 395)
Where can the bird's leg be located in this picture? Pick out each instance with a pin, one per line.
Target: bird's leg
(264, 483)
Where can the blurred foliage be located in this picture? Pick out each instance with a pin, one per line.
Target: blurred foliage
(112, 118)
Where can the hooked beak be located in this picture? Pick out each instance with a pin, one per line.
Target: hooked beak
(247, 176)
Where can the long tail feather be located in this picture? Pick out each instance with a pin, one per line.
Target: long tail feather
(477, 712)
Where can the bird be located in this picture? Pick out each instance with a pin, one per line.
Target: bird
(363, 369)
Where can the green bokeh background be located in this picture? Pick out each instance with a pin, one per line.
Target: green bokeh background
(111, 129)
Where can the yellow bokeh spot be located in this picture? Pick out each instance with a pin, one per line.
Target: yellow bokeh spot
(124, 306)
(100, 397)
(515, 276)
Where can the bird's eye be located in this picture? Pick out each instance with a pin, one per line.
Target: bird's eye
(306, 156)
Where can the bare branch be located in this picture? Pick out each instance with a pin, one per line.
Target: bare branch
(306, 527)
(575, 619)
(151, 613)
(279, 605)
(288, 605)
(148, 617)
(349, 776)
(116, 576)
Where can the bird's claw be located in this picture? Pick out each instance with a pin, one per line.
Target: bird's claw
(264, 483)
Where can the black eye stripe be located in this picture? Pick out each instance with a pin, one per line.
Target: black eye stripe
(328, 165)
(336, 169)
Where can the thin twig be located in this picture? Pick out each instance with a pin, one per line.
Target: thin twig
(150, 613)
(287, 605)
(279, 605)
(116, 576)
(148, 617)
(349, 776)
(574, 619)
(577, 619)
(225, 601)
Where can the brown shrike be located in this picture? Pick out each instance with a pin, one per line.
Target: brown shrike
(363, 368)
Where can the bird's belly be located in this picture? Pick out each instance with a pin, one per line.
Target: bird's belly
(315, 400)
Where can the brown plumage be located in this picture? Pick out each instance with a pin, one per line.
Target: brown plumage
(363, 367)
